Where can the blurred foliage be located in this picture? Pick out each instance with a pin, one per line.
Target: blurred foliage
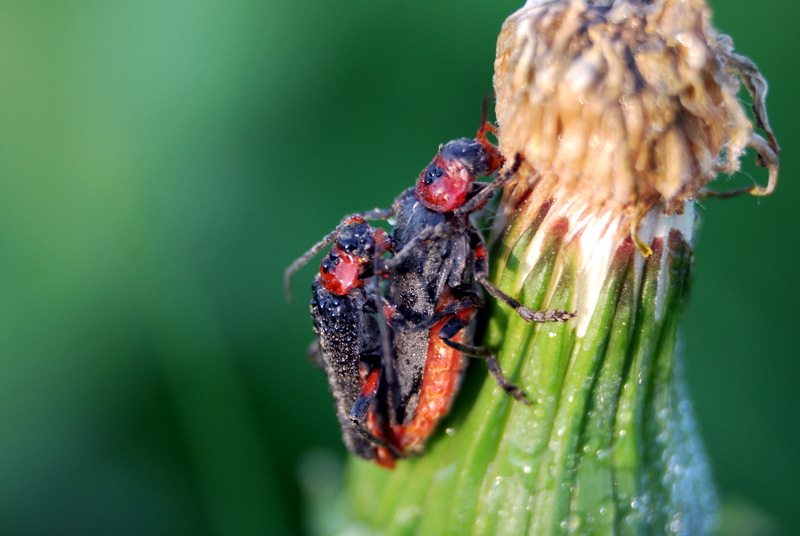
(161, 162)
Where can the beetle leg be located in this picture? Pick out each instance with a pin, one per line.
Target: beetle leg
(364, 404)
(456, 324)
(480, 199)
(527, 314)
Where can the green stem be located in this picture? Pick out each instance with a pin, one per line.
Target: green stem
(609, 446)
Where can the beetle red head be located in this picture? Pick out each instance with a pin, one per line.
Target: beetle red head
(340, 272)
(352, 256)
(445, 184)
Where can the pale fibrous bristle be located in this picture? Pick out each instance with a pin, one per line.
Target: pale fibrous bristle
(629, 102)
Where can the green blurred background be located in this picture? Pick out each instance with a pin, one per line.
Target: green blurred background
(161, 162)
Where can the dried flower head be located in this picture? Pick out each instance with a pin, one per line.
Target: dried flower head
(632, 101)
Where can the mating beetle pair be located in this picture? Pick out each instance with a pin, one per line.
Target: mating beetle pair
(394, 351)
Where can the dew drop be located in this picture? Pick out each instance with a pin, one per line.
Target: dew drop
(675, 524)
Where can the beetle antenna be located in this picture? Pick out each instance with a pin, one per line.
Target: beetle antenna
(307, 256)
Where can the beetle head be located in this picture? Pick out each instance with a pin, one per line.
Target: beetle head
(443, 185)
(352, 256)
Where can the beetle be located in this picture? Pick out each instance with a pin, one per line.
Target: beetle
(349, 338)
(434, 286)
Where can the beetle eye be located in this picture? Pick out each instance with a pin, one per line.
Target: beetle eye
(432, 174)
(348, 243)
(329, 263)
